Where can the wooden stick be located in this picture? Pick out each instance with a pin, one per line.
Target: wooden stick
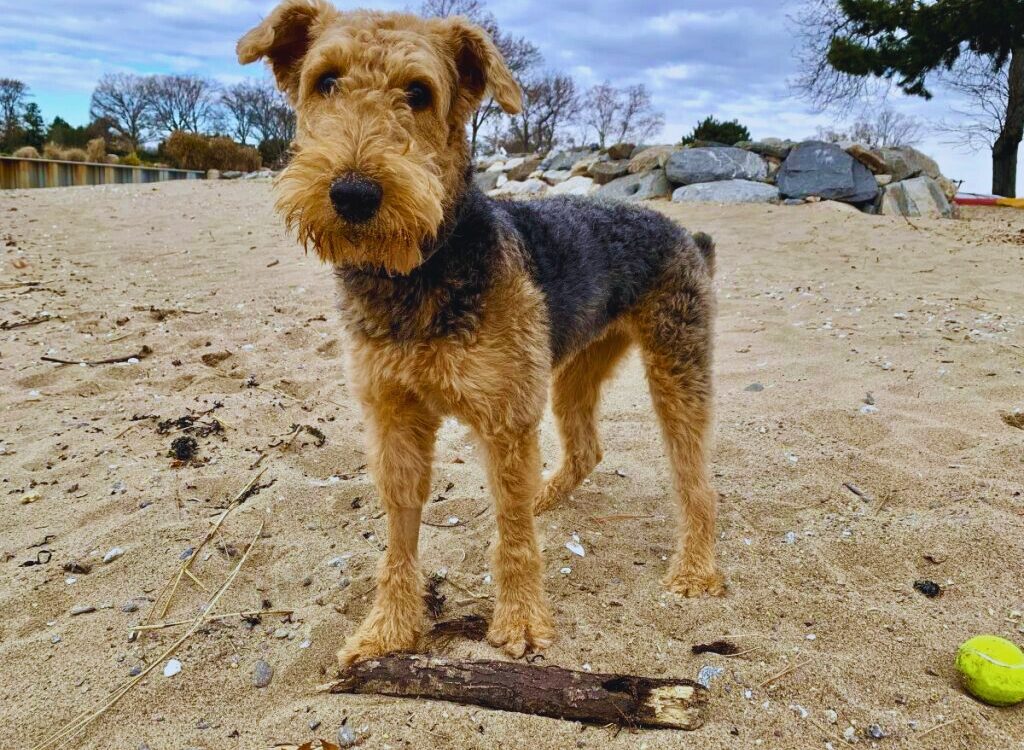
(625, 700)
(8, 325)
(144, 352)
(79, 723)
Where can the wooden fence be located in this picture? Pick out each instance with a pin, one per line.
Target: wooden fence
(41, 173)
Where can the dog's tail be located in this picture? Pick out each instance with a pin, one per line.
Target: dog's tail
(706, 245)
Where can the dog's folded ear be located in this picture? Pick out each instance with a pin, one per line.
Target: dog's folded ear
(481, 67)
(284, 38)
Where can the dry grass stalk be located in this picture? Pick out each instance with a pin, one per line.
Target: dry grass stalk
(166, 597)
(74, 727)
(213, 618)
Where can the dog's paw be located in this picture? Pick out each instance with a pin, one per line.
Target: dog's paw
(374, 639)
(695, 584)
(547, 498)
(520, 630)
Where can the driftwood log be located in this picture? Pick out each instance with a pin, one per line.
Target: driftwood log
(558, 693)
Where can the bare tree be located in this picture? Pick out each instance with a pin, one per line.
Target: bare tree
(13, 94)
(188, 103)
(550, 103)
(985, 93)
(619, 115)
(885, 129)
(520, 54)
(240, 103)
(124, 100)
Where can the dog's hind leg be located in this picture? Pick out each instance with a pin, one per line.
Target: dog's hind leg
(575, 391)
(401, 449)
(674, 328)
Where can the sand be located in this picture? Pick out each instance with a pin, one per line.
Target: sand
(819, 307)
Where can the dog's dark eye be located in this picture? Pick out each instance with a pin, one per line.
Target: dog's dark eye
(326, 83)
(418, 95)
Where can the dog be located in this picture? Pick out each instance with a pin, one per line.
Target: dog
(456, 304)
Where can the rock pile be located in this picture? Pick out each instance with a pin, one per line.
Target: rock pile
(900, 181)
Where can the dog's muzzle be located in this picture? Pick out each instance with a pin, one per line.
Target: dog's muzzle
(356, 199)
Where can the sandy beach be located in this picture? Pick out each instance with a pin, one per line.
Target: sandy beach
(864, 367)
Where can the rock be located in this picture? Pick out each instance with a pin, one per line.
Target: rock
(513, 163)
(727, 191)
(555, 177)
(883, 179)
(582, 166)
(486, 181)
(230, 174)
(558, 160)
(906, 162)
(773, 147)
(653, 157)
(696, 165)
(875, 732)
(920, 196)
(262, 674)
(496, 166)
(82, 609)
(130, 606)
(816, 168)
(604, 172)
(578, 185)
(867, 157)
(527, 187)
(113, 554)
(523, 169)
(346, 737)
(172, 667)
(621, 151)
(637, 187)
(831, 716)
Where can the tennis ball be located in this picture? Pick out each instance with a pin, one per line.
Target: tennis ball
(992, 670)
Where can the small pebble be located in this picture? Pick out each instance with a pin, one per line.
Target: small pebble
(55, 639)
(346, 737)
(314, 724)
(574, 546)
(30, 497)
(83, 609)
(707, 674)
(113, 554)
(850, 734)
(876, 732)
(281, 633)
(186, 553)
(790, 537)
(130, 606)
(754, 388)
(135, 671)
(831, 716)
(928, 588)
(172, 667)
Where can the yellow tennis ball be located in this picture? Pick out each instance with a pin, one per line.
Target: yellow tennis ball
(992, 670)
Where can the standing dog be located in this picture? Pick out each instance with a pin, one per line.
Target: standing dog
(456, 304)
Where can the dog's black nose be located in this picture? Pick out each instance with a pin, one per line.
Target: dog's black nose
(356, 199)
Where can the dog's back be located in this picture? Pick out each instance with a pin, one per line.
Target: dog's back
(594, 260)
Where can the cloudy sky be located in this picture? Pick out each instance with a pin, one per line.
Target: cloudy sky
(729, 58)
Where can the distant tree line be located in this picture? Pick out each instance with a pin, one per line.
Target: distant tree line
(135, 116)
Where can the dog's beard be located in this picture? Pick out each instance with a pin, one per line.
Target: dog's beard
(410, 215)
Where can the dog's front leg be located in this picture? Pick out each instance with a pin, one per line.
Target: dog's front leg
(401, 447)
(522, 620)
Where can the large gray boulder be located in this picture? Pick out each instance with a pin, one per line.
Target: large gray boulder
(727, 191)
(906, 162)
(559, 160)
(637, 187)
(816, 168)
(694, 165)
(918, 196)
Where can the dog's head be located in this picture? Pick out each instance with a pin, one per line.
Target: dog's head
(382, 101)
